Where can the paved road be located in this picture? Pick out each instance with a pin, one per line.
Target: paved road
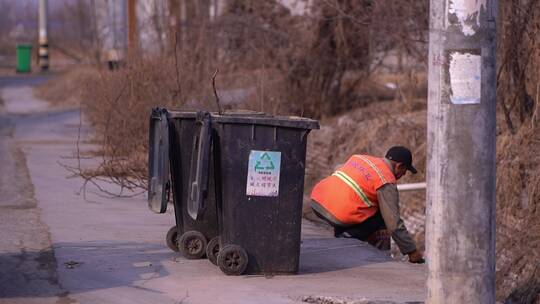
(57, 246)
(27, 263)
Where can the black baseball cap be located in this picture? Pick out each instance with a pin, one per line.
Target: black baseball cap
(401, 155)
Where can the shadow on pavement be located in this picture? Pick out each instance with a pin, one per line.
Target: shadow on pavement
(43, 117)
(24, 80)
(331, 254)
(83, 267)
(28, 274)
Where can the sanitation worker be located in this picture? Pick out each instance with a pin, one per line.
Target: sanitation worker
(361, 198)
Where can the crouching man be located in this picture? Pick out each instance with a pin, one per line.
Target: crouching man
(361, 198)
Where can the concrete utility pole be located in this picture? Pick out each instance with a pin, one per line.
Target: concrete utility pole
(460, 228)
(42, 37)
(113, 22)
(133, 42)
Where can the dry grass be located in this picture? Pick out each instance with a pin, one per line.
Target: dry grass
(518, 212)
(117, 105)
(66, 89)
(518, 143)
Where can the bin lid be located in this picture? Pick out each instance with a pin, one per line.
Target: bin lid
(269, 120)
(181, 114)
(193, 114)
(24, 46)
(158, 162)
(251, 117)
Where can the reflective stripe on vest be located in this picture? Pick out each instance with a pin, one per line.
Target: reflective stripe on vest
(374, 167)
(351, 183)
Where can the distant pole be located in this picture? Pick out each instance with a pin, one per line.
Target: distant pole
(184, 26)
(43, 51)
(132, 27)
(460, 227)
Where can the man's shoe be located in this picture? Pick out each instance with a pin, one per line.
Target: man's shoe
(380, 239)
(340, 233)
(345, 235)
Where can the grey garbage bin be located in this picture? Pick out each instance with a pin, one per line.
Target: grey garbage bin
(259, 181)
(179, 142)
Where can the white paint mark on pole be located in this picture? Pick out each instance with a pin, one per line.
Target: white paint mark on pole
(42, 33)
(467, 13)
(465, 78)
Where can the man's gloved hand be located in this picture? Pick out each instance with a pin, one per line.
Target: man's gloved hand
(417, 257)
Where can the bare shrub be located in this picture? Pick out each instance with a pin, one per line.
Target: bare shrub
(118, 106)
(77, 34)
(518, 202)
(352, 38)
(518, 55)
(66, 89)
(518, 165)
(268, 60)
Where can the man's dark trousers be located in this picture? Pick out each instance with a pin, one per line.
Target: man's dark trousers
(359, 231)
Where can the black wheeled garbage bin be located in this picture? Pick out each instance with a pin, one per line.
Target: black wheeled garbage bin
(179, 162)
(259, 180)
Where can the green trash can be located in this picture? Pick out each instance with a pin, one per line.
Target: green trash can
(24, 55)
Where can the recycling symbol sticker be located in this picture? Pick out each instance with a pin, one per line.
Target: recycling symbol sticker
(265, 163)
(263, 173)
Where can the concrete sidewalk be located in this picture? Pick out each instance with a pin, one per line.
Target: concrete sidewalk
(113, 250)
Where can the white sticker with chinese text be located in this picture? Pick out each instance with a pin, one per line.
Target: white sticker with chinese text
(263, 173)
(465, 78)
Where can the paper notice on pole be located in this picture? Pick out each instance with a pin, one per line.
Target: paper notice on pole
(465, 78)
(263, 173)
(465, 14)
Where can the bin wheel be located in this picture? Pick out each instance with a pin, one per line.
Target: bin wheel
(172, 239)
(232, 260)
(192, 245)
(212, 250)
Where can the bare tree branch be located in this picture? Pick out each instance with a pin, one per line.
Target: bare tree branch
(215, 91)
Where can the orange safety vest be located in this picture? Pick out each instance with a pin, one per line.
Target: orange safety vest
(349, 195)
